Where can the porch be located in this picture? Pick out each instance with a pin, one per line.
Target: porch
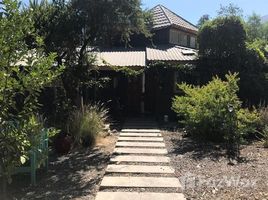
(150, 90)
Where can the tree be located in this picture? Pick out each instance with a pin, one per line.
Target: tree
(72, 28)
(24, 71)
(203, 20)
(230, 10)
(222, 43)
(223, 47)
(254, 27)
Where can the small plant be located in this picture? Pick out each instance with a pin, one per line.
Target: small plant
(87, 123)
(214, 111)
(264, 134)
(263, 111)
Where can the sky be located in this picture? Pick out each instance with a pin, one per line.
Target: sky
(192, 10)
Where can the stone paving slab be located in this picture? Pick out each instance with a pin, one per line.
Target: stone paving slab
(147, 139)
(141, 134)
(139, 196)
(140, 151)
(140, 130)
(149, 159)
(140, 127)
(140, 169)
(141, 182)
(140, 144)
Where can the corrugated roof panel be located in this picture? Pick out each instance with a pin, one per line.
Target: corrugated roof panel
(122, 58)
(170, 53)
(138, 58)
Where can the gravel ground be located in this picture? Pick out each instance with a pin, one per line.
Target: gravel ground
(205, 173)
(76, 175)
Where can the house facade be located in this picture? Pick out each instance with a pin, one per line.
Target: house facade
(151, 89)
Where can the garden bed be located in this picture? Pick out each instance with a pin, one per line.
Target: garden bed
(205, 172)
(76, 175)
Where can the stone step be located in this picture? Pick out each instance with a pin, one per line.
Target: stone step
(138, 196)
(140, 126)
(149, 139)
(140, 144)
(140, 130)
(140, 151)
(141, 134)
(140, 169)
(149, 159)
(140, 182)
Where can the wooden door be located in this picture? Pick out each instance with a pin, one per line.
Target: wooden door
(134, 94)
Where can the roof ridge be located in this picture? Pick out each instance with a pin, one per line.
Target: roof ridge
(176, 15)
(161, 7)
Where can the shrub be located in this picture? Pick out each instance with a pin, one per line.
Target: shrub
(248, 121)
(263, 111)
(263, 126)
(87, 123)
(265, 136)
(206, 114)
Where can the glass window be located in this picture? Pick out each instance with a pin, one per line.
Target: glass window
(182, 39)
(173, 38)
(193, 42)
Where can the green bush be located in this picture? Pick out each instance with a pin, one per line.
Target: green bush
(263, 126)
(205, 110)
(87, 124)
(264, 134)
(263, 116)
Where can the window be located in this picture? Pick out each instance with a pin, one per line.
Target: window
(193, 42)
(173, 38)
(182, 39)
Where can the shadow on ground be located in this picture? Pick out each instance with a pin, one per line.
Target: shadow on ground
(200, 149)
(73, 176)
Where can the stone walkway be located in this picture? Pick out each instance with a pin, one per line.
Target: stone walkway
(139, 168)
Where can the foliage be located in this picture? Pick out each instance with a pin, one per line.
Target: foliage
(230, 10)
(263, 116)
(203, 20)
(248, 121)
(264, 133)
(235, 54)
(24, 71)
(256, 30)
(88, 123)
(205, 110)
(128, 71)
(72, 28)
(254, 27)
(231, 31)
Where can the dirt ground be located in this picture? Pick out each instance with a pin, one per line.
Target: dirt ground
(205, 172)
(76, 175)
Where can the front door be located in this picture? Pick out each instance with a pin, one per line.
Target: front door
(134, 93)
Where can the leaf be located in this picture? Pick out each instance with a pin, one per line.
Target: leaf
(22, 159)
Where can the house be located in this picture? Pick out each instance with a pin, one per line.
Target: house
(150, 91)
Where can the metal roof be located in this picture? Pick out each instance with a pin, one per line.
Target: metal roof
(121, 58)
(171, 53)
(163, 17)
(138, 58)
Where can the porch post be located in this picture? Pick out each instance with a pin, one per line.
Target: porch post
(143, 93)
